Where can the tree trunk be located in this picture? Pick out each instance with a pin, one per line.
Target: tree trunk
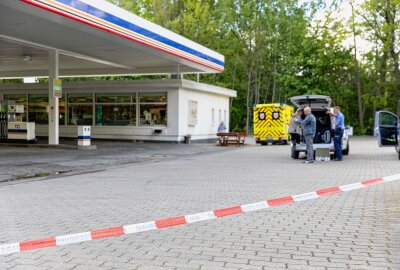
(357, 75)
(248, 102)
(273, 87)
(359, 98)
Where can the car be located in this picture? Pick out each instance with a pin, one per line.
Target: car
(387, 130)
(319, 105)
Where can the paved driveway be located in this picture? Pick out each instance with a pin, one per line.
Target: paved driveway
(352, 230)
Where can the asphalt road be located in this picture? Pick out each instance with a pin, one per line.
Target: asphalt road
(352, 230)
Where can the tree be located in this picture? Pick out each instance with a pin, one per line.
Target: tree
(381, 17)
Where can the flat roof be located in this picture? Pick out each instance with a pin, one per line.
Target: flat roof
(94, 37)
(124, 85)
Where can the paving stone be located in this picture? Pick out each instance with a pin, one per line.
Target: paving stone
(144, 182)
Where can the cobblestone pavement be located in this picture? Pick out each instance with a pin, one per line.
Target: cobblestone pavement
(352, 230)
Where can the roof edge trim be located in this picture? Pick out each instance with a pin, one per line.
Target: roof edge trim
(82, 12)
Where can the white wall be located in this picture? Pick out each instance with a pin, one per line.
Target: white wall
(206, 102)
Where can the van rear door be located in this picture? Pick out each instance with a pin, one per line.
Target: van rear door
(318, 102)
(386, 126)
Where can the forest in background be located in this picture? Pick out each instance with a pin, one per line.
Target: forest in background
(275, 49)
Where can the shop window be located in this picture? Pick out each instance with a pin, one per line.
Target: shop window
(115, 115)
(80, 114)
(116, 109)
(153, 114)
(80, 109)
(153, 109)
(19, 100)
(80, 98)
(61, 104)
(38, 109)
(153, 97)
(115, 98)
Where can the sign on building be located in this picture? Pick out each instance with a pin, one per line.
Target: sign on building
(192, 117)
(57, 88)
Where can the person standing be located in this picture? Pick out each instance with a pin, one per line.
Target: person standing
(295, 132)
(338, 133)
(309, 126)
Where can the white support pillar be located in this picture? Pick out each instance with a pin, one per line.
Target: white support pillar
(53, 101)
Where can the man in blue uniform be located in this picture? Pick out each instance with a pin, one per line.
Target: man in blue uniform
(339, 130)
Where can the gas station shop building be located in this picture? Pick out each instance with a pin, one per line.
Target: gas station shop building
(73, 38)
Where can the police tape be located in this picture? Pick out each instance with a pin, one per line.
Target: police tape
(180, 220)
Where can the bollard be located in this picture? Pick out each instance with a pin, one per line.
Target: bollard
(84, 136)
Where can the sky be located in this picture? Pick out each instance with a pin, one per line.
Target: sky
(344, 14)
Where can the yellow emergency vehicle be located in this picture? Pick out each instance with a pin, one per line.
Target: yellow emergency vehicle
(271, 123)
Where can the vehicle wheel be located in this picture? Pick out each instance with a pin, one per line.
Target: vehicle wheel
(285, 142)
(347, 150)
(273, 143)
(264, 143)
(297, 154)
(399, 155)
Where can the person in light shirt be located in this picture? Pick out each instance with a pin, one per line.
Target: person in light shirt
(222, 127)
(295, 131)
(338, 133)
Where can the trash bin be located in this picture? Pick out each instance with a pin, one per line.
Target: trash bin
(187, 139)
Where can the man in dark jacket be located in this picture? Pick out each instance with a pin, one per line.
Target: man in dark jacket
(309, 126)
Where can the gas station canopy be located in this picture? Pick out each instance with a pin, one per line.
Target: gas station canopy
(92, 37)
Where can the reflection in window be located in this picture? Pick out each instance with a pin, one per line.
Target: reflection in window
(80, 98)
(19, 100)
(153, 109)
(387, 119)
(153, 97)
(115, 115)
(153, 114)
(80, 109)
(61, 102)
(115, 98)
(116, 109)
(38, 109)
(80, 114)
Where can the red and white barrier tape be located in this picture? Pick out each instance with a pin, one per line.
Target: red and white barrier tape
(175, 221)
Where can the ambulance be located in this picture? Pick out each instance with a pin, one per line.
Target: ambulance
(271, 123)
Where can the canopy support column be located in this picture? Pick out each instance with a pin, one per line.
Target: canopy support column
(53, 101)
